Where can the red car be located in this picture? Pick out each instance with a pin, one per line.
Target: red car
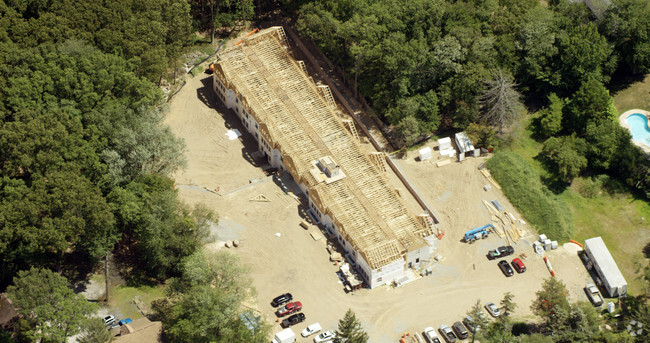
(289, 308)
(518, 265)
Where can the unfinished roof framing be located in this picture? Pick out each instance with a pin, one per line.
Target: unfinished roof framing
(297, 120)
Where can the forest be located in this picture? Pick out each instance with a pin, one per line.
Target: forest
(434, 67)
(85, 162)
(427, 66)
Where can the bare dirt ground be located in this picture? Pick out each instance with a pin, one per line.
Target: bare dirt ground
(220, 172)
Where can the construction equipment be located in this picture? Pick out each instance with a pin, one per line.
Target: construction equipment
(478, 233)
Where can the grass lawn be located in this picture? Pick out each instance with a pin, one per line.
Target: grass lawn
(616, 218)
(637, 95)
(122, 297)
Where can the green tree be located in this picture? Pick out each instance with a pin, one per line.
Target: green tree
(499, 331)
(584, 54)
(46, 301)
(483, 135)
(204, 303)
(627, 24)
(551, 300)
(480, 321)
(507, 305)
(566, 155)
(93, 330)
(551, 116)
(536, 338)
(603, 141)
(501, 100)
(536, 42)
(409, 130)
(163, 230)
(350, 330)
(590, 104)
(57, 212)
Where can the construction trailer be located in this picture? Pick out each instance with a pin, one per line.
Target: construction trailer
(602, 262)
(300, 130)
(465, 146)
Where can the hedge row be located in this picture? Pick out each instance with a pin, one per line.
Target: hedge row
(521, 183)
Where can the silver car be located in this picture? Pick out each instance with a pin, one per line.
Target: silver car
(594, 294)
(493, 309)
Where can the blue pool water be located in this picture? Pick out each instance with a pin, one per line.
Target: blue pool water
(639, 126)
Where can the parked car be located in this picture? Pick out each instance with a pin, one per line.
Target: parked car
(109, 320)
(460, 330)
(447, 333)
(430, 335)
(293, 320)
(505, 268)
(326, 336)
(311, 329)
(281, 299)
(500, 252)
(471, 324)
(289, 308)
(518, 265)
(125, 321)
(594, 294)
(493, 310)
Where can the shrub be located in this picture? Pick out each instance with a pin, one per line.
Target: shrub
(522, 185)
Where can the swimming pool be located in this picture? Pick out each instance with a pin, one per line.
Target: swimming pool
(638, 124)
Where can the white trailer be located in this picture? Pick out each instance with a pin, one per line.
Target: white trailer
(284, 336)
(465, 146)
(605, 266)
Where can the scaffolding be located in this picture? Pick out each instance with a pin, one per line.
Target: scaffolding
(299, 121)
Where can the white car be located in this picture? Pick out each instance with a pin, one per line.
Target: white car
(326, 336)
(430, 335)
(109, 320)
(311, 329)
(493, 309)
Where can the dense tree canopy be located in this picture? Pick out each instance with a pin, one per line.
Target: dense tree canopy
(79, 120)
(147, 34)
(204, 303)
(425, 64)
(46, 301)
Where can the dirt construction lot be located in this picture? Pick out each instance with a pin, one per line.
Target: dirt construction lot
(284, 257)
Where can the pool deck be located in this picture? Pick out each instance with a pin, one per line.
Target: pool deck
(621, 120)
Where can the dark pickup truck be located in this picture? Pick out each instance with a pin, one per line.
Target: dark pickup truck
(500, 252)
(293, 320)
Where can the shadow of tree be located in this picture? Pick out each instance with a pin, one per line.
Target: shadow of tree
(130, 266)
(551, 180)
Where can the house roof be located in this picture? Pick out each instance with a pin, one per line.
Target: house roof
(297, 120)
(7, 310)
(141, 330)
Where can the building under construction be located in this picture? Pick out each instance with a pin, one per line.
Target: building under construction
(299, 129)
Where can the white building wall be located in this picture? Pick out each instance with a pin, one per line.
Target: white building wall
(417, 257)
(384, 275)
